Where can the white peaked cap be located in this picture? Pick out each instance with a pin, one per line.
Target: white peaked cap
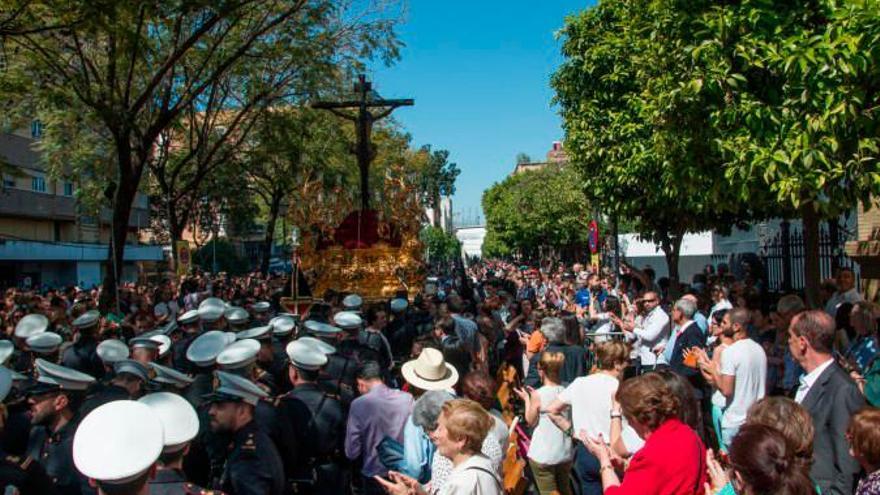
(117, 442)
(180, 422)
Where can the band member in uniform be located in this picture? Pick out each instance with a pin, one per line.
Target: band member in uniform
(352, 302)
(129, 380)
(264, 362)
(144, 349)
(190, 329)
(169, 379)
(400, 331)
(54, 401)
(180, 425)
(116, 447)
(261, 312)
(237, 318)
(204, 464)
(109, 352)
(211, 314)
(20, 473)
(82, 355)
(45, 346)
(202, 354)
(282, 330)
(253, 466)
(28, 326)
(317, 422)
(164, 354)
(350, 354)
(239, 358)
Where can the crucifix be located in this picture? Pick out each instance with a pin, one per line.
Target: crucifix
(363, 120)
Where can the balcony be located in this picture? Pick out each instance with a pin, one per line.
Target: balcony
(29, 204)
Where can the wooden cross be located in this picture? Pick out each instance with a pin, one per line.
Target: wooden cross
(363, 120)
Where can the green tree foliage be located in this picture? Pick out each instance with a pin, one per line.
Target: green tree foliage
(638, 135)
(223, 252)
(534, 210)
(287, 144)
(437, 179)
(494, 247)
(798, 125)
(440, 246)
(133, 68)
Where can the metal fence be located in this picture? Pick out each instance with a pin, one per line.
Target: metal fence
(783, 257)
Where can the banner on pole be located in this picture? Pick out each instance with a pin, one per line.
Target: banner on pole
(593, 237)
(184, 260)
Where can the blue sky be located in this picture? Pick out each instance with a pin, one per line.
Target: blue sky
(479, 72)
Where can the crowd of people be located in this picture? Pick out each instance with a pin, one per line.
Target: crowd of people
(556, 379)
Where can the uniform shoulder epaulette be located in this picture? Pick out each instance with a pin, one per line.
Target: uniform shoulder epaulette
(249, 444)
(191, 489)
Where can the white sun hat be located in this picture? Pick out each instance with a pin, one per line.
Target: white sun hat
(430, 371)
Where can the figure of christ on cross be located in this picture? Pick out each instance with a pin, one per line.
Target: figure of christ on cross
(363, 120)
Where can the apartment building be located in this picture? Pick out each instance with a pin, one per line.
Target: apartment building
(45, 238)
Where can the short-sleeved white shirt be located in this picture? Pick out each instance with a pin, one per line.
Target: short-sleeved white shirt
(746, 361)
(590, 400)
(549, 445)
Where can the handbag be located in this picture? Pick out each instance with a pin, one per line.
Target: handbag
(513, 468)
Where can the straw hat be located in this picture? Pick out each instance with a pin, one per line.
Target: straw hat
(430, 371)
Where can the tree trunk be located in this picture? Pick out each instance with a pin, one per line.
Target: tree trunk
(121, 206)
(812, 273)
(175, 230)
(671, 250)
(274, 208)
(129, 168)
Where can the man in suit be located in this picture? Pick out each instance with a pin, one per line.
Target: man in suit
(687, 335)
(831, 397)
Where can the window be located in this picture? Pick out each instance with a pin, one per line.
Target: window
(38, 184)
(68, 188)
(8, 182)
(36, 129)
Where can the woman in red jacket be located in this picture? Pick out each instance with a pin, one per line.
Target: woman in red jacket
(673, 459)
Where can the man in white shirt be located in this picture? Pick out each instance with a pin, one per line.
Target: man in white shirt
(591, 400)
(741, 376)
(831, 397)
(649, 330)
(846, 291)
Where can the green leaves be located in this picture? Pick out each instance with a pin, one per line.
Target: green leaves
(540, 208)
(685, 116)
(644, 144)
(441, 246)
